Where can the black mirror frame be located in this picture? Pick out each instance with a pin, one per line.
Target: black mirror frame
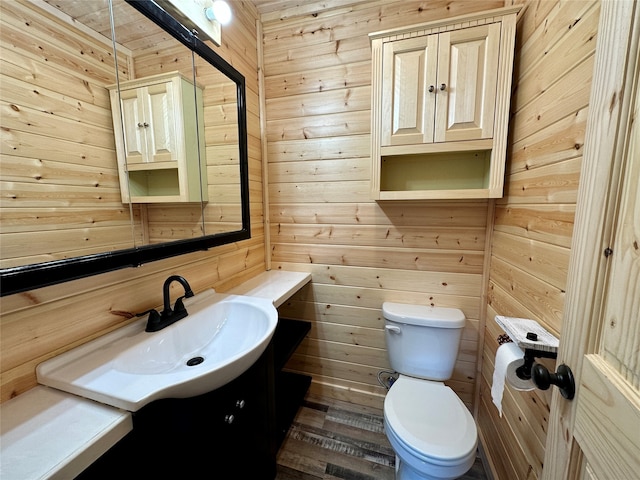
(28, 277)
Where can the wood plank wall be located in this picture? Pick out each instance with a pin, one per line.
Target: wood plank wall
(61, 196)
(534, 221)
(39, 324)
(317, 67)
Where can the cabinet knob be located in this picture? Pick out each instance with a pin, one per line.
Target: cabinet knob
(432, 89)
(443, 86)
(229, 419)
(140, 125)
(145, 124)
(240, 404)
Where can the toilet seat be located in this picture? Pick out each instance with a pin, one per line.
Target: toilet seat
(430, 421)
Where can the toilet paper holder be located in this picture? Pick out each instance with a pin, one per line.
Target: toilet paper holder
(538, 343)
(540, 376)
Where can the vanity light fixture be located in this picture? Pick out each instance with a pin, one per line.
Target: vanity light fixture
(202, 17)
(219, 11)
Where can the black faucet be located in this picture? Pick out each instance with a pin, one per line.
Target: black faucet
(158, 321)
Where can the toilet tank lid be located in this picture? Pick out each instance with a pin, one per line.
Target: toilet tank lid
(423, 315)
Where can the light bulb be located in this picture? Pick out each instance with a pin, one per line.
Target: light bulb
(219, 11)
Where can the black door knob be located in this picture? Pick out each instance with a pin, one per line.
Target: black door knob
(563, 379)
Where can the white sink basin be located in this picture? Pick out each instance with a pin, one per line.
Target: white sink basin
(222, 336)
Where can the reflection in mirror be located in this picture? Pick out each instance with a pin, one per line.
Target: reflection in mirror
(223, 212)
(209, 153)
(159, 124)
(60, 192)
(63, 202)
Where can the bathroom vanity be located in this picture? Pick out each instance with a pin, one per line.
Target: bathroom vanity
(233, 431)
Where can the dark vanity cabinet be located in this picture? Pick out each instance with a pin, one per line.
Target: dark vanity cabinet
(232, 432)
(289, 388)
(222, 434)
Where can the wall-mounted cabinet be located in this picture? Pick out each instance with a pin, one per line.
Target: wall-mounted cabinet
(159, 129)
(440, 107)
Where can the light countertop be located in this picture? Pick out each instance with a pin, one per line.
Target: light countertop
(276, 285)
(47, 433)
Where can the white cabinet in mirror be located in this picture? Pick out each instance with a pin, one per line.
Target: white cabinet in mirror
(159, 131)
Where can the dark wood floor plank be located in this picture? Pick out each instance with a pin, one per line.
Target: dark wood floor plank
(343, 444)
(354, 466)
(379, 439)
(302, 456)
(287, 473)
(341, 472)
(364, 421)
(311, 416)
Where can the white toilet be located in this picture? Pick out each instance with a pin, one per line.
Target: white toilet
(431, 431)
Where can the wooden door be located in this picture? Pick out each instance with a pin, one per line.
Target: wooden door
(161, 113)
(466, 83)
(135, 144)
(408, 90)
(607, 423)
(597, 436)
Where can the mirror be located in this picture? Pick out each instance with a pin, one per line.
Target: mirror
(77, 146)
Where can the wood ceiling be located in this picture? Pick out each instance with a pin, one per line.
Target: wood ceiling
(139, 36)
(95, 15)
(130, 31)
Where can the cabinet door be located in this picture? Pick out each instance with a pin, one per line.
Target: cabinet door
(409, 72)
(161, 112)
(134, 133)
(466, 88)
(150, 127)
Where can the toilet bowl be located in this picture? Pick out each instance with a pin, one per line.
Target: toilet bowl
(431, 431)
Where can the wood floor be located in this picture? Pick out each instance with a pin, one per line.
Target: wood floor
(333, 440)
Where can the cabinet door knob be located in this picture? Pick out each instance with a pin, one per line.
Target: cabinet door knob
(443, 86)
(229, 419)
(240, 404)
(140, 125)
(432, 89)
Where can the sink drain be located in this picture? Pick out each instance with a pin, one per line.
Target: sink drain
(195, 361)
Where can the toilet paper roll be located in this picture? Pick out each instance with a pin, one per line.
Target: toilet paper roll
(508, 358)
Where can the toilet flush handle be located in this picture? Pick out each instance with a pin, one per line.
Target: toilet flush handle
(393, 329)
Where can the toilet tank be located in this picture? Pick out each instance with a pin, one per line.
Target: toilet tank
(422, 341)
